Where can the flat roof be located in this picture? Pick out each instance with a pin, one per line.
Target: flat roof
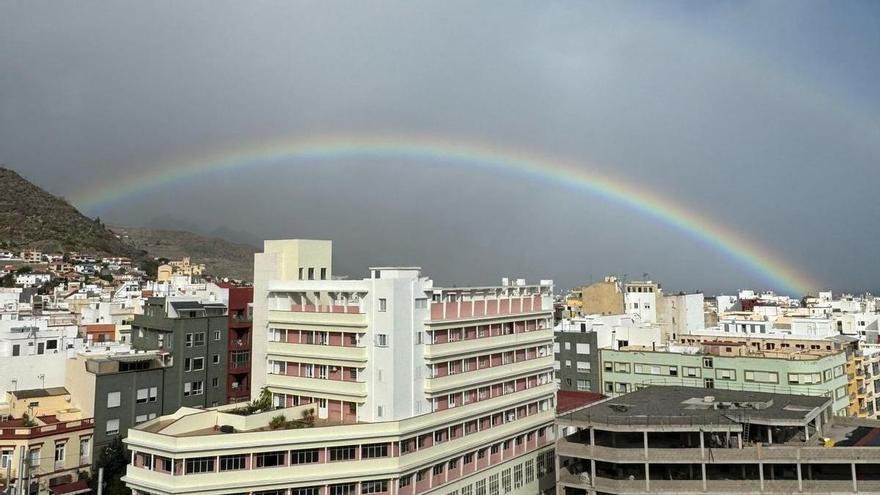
(676, 405)
(39, 392)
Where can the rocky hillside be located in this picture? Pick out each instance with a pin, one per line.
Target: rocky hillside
(221, 257)
(32, 218)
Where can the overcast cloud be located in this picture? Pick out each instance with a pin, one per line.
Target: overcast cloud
(761, 115)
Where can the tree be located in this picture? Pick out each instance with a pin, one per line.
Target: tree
(113, 458)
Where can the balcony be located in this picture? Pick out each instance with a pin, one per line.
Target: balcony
(239, 345)
(319, 354)
(472, 378)
(474, 346)
(331, 389)
(318, 319)
(753, 454)
(238, 366)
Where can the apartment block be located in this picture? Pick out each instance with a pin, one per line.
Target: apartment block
(729, 365)
(414, 389)
(44, 441)
(195, 335)
(676, 439)
(238, 359)
(118, 391)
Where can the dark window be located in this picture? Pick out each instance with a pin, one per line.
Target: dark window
(233, 462)
(308, 456)
(374, 450)
(342, 453)
(269, 459)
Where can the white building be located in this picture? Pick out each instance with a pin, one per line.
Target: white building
(682, 313)
(32, 279)
(640, 299)
(417, 389)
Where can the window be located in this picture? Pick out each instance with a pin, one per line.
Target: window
(421, 303)
(198, 339)
(707, 362)
(383, 304)
(233, 462)
(59, 452)
(323, 274)
(112, 427)
(198, 364)
(216, 334)
(382, 340)
(346, 489)
(300, 273)
(584, 385)
(312, 490)
(609, 366)
(215, 359)
(198, 388)
(5, 458)
(493, 484)
(34, 458)
(530, 471)
(215, 382)
(374, 450)
(481, 487)
(188, 340)
(437, 470)
(311, 273)
(269, 459)
(691, 372)
(725, 374)
(708, 383)
(307, 456)
(518, 476)
(16, 350)
(83, 447)
(199, 465)
(379, 486)
(113, 399)
(761, 376)
(342, 453)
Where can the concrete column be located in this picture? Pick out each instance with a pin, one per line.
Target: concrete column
(770, 435)
(592, 458)
(646, 445)
(761, 474)
(799, 477)
(703, 469)
(647, 478)
(807, 431)
(855, 480)
(702, 446)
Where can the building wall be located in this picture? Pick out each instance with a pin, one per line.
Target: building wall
(577, 358)
(602, 298)
(127, 384)
(619, 375)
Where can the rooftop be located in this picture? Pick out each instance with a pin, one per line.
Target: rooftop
(665, 405)
(39, 392)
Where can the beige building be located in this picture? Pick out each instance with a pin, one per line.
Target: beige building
(55, 438)
(602, 298)
(184, 266)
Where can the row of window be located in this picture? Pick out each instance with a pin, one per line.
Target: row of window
(759, 376)
(484, 331)
(486, 360)
(489, 391)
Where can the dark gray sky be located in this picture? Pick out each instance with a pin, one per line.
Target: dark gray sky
(763, 116)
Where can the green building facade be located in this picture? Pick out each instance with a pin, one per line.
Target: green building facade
(626, 370)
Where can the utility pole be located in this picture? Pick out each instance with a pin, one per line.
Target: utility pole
(8, 474)
(18, 479)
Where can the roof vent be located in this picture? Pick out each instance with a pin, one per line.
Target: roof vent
(709, 399)
(227, 428)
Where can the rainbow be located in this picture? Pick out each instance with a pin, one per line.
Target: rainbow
(737, 246)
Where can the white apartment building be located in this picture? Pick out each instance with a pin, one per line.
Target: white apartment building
(682, 312)
(417, 389)
(641, 299)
